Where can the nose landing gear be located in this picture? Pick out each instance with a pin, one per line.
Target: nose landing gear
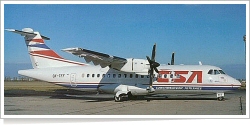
(220, 96)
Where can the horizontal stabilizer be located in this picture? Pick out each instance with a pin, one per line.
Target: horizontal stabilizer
(25, 32)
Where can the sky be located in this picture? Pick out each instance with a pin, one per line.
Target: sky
(210, 33)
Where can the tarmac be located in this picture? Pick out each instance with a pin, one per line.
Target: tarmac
(64, 101)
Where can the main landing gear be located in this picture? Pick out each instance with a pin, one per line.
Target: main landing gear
(118, 99)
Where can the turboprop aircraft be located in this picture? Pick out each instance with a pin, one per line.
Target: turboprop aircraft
(121, 76)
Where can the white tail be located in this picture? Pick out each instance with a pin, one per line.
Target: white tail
(40, 54)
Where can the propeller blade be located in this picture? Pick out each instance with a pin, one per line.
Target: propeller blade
(153, 53)
(149, 60)
(156, 64)
(156, 70)
(172, 59)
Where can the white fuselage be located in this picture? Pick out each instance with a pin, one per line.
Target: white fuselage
(171, 79)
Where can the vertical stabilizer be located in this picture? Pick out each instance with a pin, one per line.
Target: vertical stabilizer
(40, 54)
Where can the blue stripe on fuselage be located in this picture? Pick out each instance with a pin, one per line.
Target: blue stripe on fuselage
(193, 88)
(96, 86)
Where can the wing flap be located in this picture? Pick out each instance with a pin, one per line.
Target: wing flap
(96, 57)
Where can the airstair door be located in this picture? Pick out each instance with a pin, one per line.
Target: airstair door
(73, 80)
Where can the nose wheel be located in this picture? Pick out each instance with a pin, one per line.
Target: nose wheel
(220, 96)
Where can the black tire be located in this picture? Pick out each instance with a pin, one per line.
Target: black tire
(220, 98)
(118, 99)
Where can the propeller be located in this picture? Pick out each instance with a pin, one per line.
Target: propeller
(172, 60)
(153, 67)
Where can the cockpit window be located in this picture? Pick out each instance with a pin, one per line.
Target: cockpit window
(216, 72)
(221, 72)
(211, 72)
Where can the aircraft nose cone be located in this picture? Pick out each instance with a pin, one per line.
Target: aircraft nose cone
(236, 83)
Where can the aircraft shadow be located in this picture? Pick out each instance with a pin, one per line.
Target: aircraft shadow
(94, 97)
(91, 97)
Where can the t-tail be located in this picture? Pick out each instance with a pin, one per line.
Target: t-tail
(40, 54)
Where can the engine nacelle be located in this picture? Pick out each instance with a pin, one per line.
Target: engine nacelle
(134, 65)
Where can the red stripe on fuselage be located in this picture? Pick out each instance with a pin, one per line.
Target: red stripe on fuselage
(50, 53)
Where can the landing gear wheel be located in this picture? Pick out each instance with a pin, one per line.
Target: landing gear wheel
(118, 99)
(220, 98)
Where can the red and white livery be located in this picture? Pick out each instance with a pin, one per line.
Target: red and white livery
(120, 76)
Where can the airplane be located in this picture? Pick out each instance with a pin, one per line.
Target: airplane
(122, 77)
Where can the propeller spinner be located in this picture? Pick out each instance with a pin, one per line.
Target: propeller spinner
(153, 67)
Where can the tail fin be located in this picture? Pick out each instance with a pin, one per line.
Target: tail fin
(40, 54)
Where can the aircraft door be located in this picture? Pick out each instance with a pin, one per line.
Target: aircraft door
(73, 79)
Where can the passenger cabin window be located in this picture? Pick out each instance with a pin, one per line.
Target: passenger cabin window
(98, 75)
(119, 75)
(171, 75)
(178, 76)
(93, 75)
(131, 75)
(87, 75)
(136, 75)
(159, 75)
(165, 75)
(103, 75)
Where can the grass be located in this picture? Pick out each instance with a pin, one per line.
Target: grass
(34, 85)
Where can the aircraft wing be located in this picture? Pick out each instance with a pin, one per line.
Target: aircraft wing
(97, 58)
